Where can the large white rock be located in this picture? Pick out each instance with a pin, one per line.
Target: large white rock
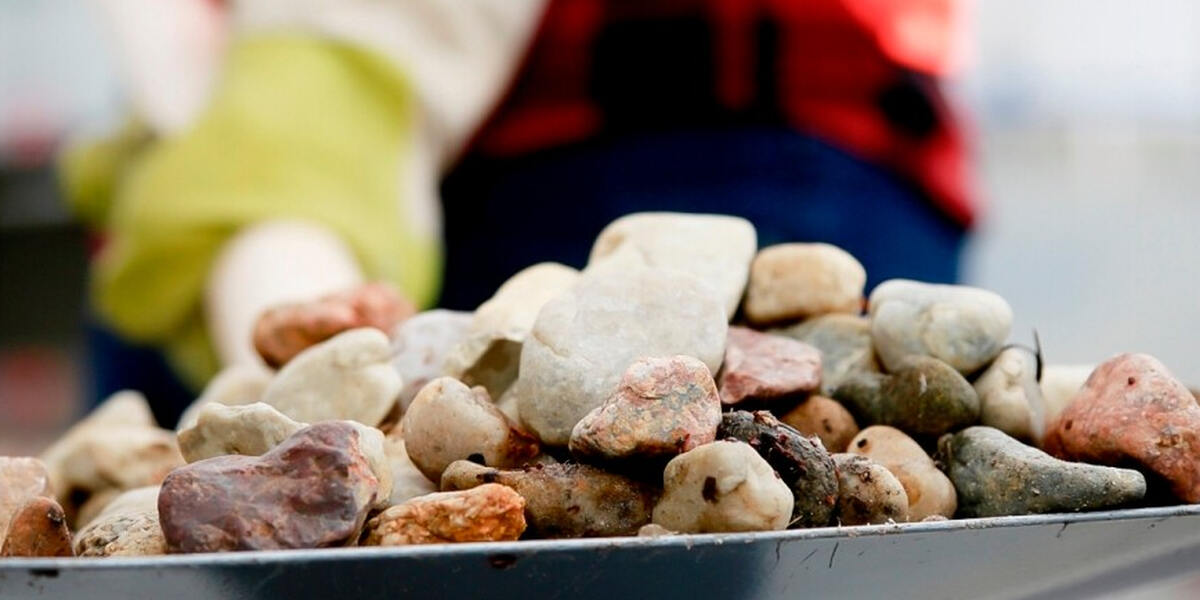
(235, 385)
(348, 376)
(717, 249)
(250, 430)
(585, 339)
(796, 281)
(962, 326)
(490, 353)
(420, 345)
(722, 486)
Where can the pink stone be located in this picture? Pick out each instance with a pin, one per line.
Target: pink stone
(764, 366)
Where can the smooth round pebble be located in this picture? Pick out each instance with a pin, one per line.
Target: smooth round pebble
(794, 281)
(722, 486)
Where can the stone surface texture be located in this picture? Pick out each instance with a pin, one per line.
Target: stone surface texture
(566, 500)
(488, 513)
(802, 463)
(663, 407)
(963, 326)
(795, 281)
(311, 491)
(763, 366)
(997, 475)
(250, 429)
(720, 487)
(585, 339)
(1133, 411)
(716, 249)
(348, 376)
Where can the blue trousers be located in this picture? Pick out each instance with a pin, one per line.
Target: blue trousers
(504, 215)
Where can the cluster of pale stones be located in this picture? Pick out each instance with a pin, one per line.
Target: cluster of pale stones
(604, 402)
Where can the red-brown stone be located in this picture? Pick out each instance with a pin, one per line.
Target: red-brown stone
(764, 366)
(39, 528)
(313, 490)
(1132, 410)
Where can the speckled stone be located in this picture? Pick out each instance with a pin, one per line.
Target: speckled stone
(488, 513)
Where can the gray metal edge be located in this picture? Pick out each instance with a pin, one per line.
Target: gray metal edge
(526, 548)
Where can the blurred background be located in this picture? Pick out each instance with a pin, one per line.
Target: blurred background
(1087, 149)
(1087, 141)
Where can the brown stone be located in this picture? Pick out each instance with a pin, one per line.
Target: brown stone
(488, 513)
(1133, 411)
(663, 407)
(566, 500)
(313, 490)
(284, 331)
(21, 478)
(825, 418)
(764, 366)
(39, 528)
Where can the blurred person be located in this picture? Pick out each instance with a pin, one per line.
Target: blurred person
(420, 141)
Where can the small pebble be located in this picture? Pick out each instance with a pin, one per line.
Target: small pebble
(722, 486)
(420, 345)
(868, 494)
(448, 421)
(997, 475)
(824, 418)
(488, 513)
(348, 376)
(929, 491)
(566, 500)
(38, 528)
(1133, 411)
(763, 366)
(716, 249)
(844, 342)
(251, 430)
(311, 491)
(795, 281)
(663, 407)
(962, 326)
(801, 462)
(1009, 397)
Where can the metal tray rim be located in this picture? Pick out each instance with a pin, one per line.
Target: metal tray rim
(609, 543)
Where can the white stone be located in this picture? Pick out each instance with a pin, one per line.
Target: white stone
(348, 376)
(717, 249)
(251, 430)
(722, 486)
(584, 340)
(420, 345)
(1009, 397)
(962, 326)
(407, 480)
(449, 421)
(234, 385)
(490, 353)
(796, 281)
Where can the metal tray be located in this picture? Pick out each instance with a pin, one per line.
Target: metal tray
(1040, 556)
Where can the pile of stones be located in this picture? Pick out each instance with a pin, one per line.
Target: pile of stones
(683, 382)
